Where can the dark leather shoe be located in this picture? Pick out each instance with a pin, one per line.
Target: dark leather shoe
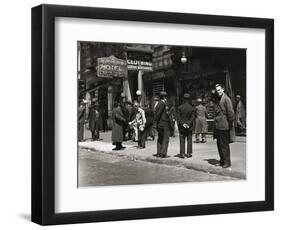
(188, 155)
(164, 156)
(157, 155)
(226, 166)
(115, 149)
(180, 155)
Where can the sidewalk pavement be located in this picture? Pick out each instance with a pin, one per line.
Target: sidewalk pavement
(205, 155)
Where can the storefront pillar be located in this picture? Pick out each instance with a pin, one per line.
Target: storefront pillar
(140, 86)
(126, 89)
(109, 106)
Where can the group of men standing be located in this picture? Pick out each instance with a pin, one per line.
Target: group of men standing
(128, 116)
(163, 116)
(186, 117)
(223, 126)
(131, 121)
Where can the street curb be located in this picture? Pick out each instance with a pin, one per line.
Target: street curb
(183, 163)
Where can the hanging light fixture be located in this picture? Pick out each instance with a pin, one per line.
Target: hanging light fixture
(183, 58)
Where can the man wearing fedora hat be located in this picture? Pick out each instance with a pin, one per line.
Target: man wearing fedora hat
(162, 123)
(186, 115)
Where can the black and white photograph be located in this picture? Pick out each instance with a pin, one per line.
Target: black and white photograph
(160, 113)
(140, 114)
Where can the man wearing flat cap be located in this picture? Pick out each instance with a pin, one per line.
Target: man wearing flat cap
(162, 124)
(186, 115)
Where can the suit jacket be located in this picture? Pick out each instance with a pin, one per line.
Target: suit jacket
(224, 114)
(94, 118)
(161, 116)
(125, 111)
(81, 114)
(149, 114)
(186, 115)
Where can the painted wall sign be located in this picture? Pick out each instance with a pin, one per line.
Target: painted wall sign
(110, 67)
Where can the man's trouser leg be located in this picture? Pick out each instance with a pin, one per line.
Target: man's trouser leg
(219, 147)
(97, 131)
(159, 140)
(197, 137)
(144, 136)
(93, 133)
(136, 133)
(189, 143)
(165, 142)
(182, 144)
(204, 137)
(140, 137)
(225, 147)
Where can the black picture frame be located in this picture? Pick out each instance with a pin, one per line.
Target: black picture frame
(43, 114)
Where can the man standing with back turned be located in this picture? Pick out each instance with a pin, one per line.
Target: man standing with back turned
(186, 115)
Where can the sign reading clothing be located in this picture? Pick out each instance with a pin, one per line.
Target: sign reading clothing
(139, 65)
(110, 67)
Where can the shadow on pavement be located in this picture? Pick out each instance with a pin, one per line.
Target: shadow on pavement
(25, 216)
(212, 161)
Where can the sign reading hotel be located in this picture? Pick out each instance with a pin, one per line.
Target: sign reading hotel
(110, 67)
(139, 65)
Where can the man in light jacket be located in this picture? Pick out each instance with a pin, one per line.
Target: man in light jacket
(140, 122)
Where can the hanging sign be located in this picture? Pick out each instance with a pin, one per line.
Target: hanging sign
(139, 65)
(110, 67)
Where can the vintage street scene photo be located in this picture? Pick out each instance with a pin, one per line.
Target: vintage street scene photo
(151, 114)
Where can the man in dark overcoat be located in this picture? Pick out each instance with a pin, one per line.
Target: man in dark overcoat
(186, 115)
(162, 124)
(94, 121)
(118, 121)
(223, 123)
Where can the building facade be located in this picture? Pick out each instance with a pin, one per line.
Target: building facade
(107, 70)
